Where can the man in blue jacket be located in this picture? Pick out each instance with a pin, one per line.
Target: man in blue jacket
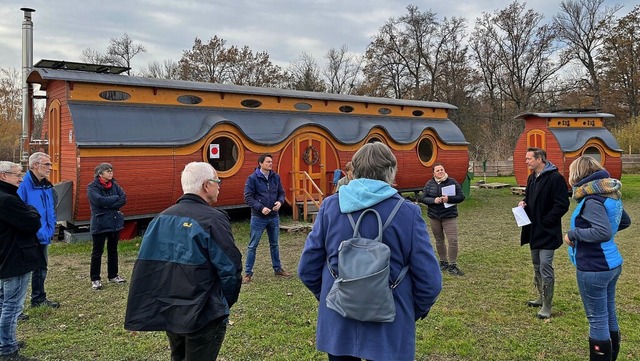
(189, 271)
(19, 255)
(37, 191)
(263, 192)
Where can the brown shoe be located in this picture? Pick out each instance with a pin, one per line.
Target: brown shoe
(282, 273)
(246, 279)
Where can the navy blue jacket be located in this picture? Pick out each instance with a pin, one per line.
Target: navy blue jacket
(261, 191)
(188, 272)
(432, 190)
(105, 206)
(19, 222)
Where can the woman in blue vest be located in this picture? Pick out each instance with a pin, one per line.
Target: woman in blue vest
(597, 218)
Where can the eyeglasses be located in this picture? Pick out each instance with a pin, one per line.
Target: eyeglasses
(219, 181)
(19, 175)
(46, 164)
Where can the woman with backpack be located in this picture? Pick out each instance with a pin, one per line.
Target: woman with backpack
(347, 338)
(595, 221)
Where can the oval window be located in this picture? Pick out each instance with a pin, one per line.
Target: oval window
(114, 95)
(346, 109)
(593, 152)
(417, 113)
(189, 99)
(302, 106)
(223, 153)
(251, 103)
(426, 150)
(384, 111)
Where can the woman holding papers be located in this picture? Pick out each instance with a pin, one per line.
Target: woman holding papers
(441, 194)
(594, 223)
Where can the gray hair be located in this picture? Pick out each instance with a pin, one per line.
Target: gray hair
(194, 175)
(102, 167)
(37, 158)
(8, 167)
(375, 161)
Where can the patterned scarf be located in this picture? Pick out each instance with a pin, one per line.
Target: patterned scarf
(607, 187)
(440, 180)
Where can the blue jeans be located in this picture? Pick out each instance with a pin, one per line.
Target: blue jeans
(258, 225)
(38, 276)
(13, 291)
(598, 293)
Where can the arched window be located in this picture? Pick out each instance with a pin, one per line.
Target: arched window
(594, 152)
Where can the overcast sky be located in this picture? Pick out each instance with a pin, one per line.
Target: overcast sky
(282, 28)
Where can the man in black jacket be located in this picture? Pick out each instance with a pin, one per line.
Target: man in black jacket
(189, 271)
(546, 200)
(19, 255)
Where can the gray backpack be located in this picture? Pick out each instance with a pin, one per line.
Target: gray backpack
(361, 289)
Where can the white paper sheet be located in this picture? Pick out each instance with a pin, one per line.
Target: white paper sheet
(521, 216)
(449, 191)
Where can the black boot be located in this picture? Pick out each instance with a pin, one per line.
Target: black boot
(615, 344)
(599, 350)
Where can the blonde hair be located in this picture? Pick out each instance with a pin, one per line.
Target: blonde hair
(581, 168)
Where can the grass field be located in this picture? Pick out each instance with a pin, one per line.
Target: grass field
(481, 316)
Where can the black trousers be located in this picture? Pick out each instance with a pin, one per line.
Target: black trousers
(202, 345)
(112, 254)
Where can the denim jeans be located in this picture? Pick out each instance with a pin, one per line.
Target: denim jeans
(38, 276)
(203, 344)
(112, 254)
(598, 293)
(258, 225)
(13, 291)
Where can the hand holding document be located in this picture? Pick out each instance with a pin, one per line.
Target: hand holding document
(449, 191)
(521, 216)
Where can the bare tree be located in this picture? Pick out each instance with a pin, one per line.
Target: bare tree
(120, 52)
(621, 59)
(10, 113)
(342, 70)
(582, 25)
(305, 75)
(168, 69)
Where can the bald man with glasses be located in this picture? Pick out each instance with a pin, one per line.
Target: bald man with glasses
(36, 190)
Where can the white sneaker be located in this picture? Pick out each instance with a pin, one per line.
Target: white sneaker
(117, 279)
(96, 285)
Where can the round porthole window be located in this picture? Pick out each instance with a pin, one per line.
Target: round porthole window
(426, 150)
(189, 99)
(346, 109)
(114, 95)
(251, 103)
(384, 111)
(302, 106)
(223, 153)
(417, 113)
(594, 153)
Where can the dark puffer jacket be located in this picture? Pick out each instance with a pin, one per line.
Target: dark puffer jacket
(433, 190)
(105, 206)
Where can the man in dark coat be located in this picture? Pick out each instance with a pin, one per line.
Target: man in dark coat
(189, 271)
(264, 194)
(19, 255)
(546, 200)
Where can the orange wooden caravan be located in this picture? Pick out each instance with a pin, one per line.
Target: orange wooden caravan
(150, 128)
(565, 137)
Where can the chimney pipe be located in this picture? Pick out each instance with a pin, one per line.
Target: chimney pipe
(27, 90)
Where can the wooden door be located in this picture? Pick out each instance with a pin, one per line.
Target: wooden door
(54, 140)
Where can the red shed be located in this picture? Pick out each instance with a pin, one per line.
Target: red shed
(566, 136)
(150, 128)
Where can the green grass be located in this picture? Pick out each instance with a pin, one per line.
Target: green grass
(481, 316)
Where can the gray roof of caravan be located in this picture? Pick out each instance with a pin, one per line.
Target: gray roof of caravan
(572, 139)
(566, 115)
(116, 124)
(88, 77)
